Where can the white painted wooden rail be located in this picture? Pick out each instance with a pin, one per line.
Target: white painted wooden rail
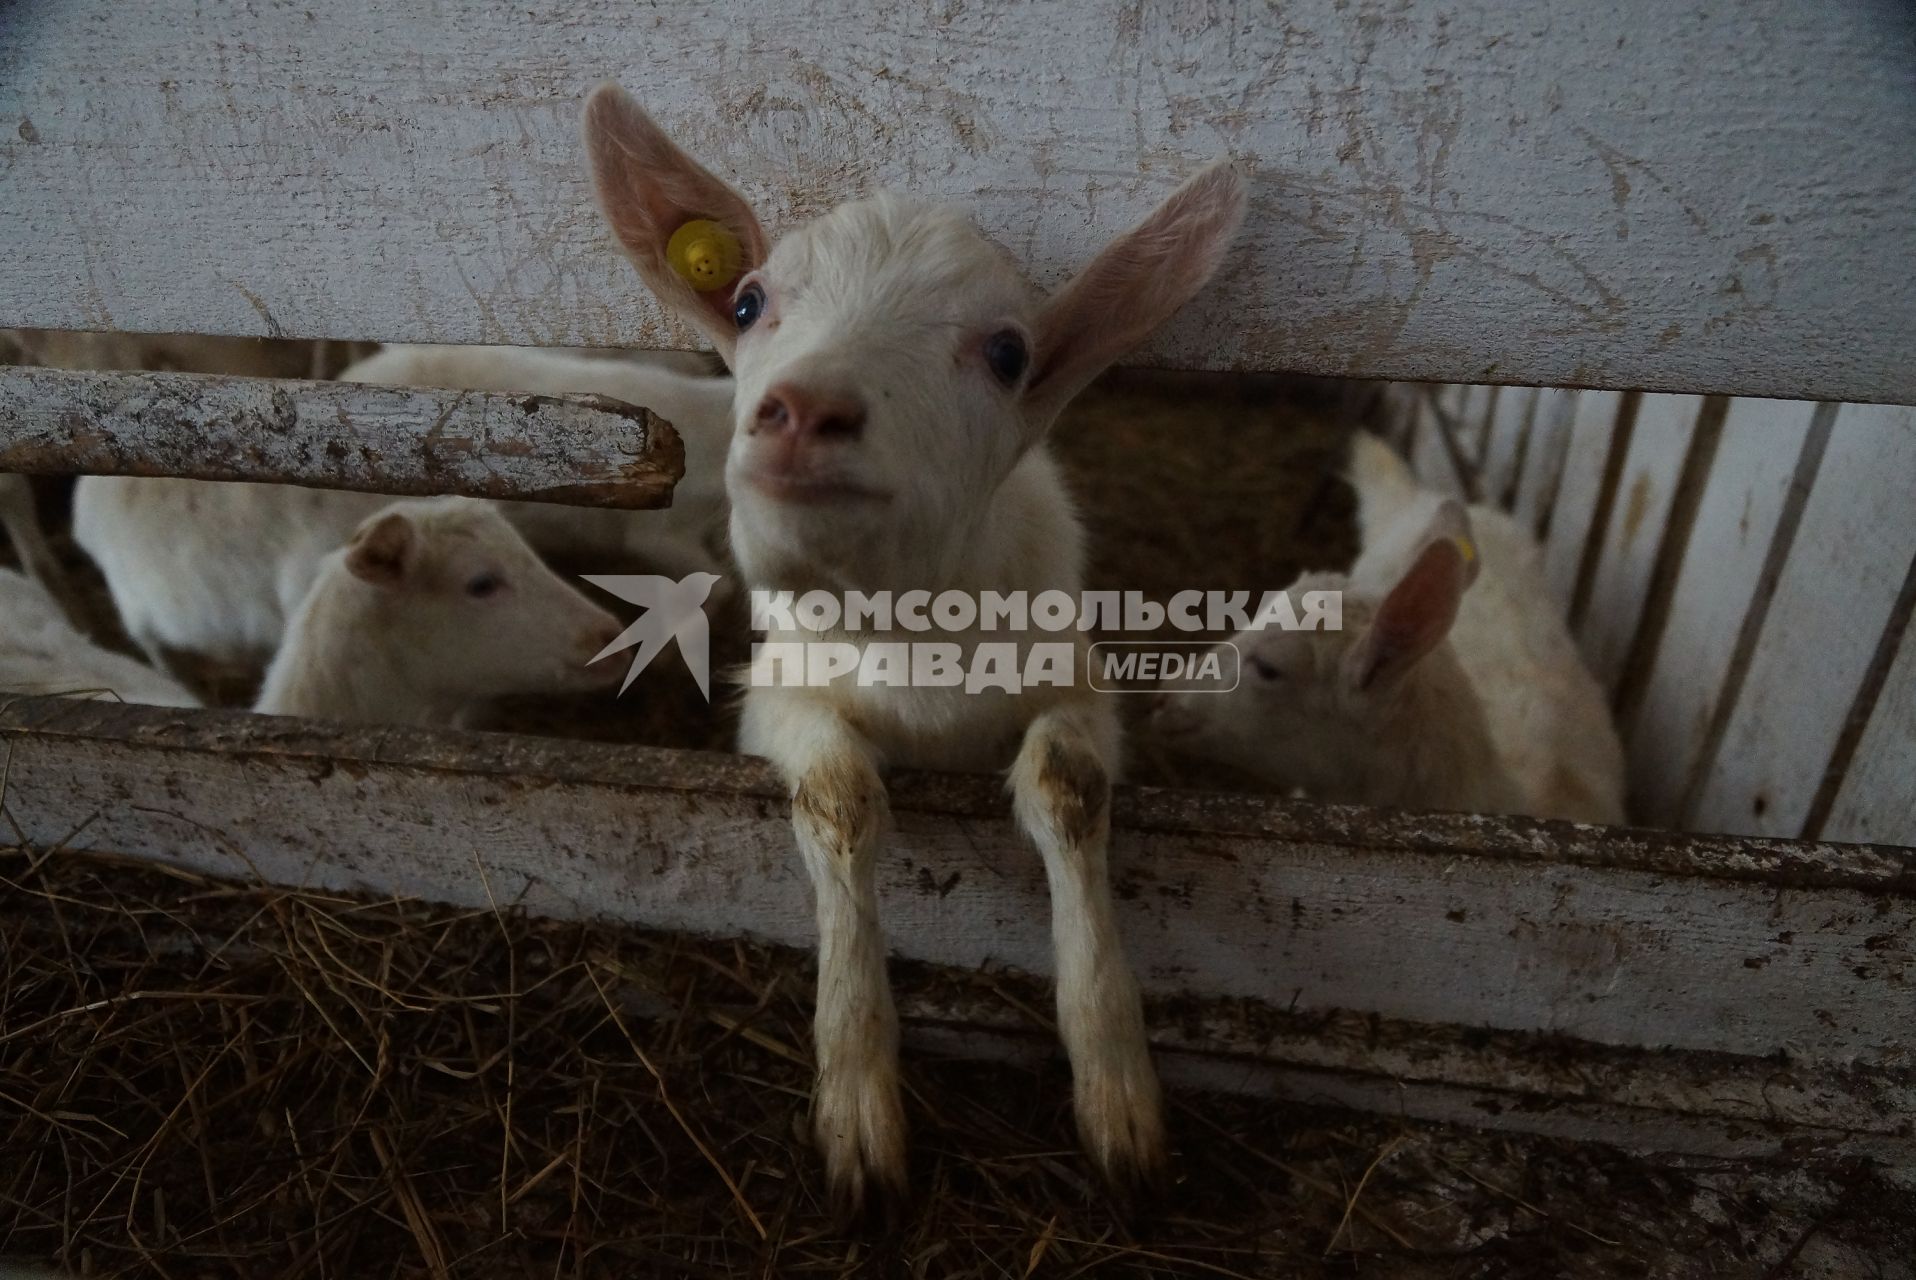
(579, 450)
(1682, 195)
(1723, 995)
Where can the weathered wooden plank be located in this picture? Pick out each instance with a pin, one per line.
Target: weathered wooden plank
(1660, 594)
(1435, 456)
(1399, 404)
(1877, 799)
(1509, 440)
(1614, 937)
(1716, 1104)
(1763, 442)
(1845, 571)
(1680, 196)
(581, 450)
(1646, 488)
(1550, 430)
(1593, 434)
(1480, 406)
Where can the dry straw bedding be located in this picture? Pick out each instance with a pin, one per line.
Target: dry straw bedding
(208, 1078)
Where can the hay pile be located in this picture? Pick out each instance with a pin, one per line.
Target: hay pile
(201, 1078)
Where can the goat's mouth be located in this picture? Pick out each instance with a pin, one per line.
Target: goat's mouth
(815, 490)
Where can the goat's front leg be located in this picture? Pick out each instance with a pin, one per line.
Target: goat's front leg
(1062, 788)
(839, 812)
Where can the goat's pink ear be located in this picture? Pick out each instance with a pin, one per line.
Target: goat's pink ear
(648, 189)
(1451, 521)
(381, 552)
(1413, 619)
(1136, 284)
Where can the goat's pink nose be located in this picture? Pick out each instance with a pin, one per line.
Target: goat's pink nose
(789, 409)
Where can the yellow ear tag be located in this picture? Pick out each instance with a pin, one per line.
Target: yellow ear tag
(704, 254)
(1465, 548)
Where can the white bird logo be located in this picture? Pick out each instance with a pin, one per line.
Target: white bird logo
(672, 610)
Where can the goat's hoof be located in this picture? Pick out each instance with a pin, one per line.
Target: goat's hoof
(1121, 1123)
(866, 1200)
(861, 1134)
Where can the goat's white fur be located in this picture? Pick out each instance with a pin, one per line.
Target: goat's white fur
(947, 485)
(210, 568)
(42, 653)
(218, 568)
(414, 648)
(1502, 716)
(409, 644)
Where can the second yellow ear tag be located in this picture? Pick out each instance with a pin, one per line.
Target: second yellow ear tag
(1466, 548)
(705, 254)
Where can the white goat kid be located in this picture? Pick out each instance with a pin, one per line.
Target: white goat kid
(896, 378)
(217, 568)
(1436, 693)
(208, 567)
(677, 540)
(41, 652)
(435, 606)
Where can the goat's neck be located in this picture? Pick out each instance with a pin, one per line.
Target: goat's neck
(335, 663)
(1025, 537)
(1440, 751)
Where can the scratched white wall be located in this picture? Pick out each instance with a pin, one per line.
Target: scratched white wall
(1672, 194)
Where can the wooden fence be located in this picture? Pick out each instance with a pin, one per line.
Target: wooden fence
(1679, 197)
(1741, 575)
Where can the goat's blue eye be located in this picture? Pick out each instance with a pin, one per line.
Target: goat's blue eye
(746, 307)
(484, 585)
(1005, 353)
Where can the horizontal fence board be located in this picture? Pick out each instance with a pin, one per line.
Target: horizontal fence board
(581, 450)
(1845, 569)
(1728, 547)
(1616, 937)
(1715, 1104)
(1688, 196)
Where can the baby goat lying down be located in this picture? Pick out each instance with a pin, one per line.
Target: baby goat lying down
(1453, 683)
(42, 652)
(434, 607)
(896, 378)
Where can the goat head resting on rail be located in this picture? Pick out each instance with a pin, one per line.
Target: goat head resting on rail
(893, 365)
(896, 376)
